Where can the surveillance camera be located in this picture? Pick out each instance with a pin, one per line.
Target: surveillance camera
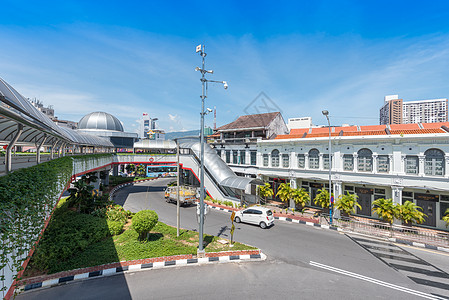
(197, 69)
(209, 110)
(210, 71)
(225, 84)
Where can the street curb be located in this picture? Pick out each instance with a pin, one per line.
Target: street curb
(107, 270)
(394, 240)
(120, 186)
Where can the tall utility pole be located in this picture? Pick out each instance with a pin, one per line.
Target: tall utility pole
(331, 204)
(201, 50)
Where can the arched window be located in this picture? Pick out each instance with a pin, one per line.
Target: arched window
(434, 162)
(285, 160)
(314, 159)
(365, 160)
(275, 158)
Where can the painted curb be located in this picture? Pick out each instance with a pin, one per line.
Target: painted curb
(141, 267)
(395, 240)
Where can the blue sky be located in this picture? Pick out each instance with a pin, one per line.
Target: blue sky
(130, 57)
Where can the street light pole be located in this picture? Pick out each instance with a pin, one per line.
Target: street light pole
(201, 50)
(326, 113)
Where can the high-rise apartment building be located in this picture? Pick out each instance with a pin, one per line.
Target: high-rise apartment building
(391, 112)
(395, 111)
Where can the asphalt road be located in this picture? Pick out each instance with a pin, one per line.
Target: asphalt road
(303, 262)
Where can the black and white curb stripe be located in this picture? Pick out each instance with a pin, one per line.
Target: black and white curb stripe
(420, 245)
(118, 187)
(148, 266)
(395, 240)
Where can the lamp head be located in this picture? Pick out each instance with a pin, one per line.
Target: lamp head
(209, 110)
(325, 112)
(225, 85)
(197, 69)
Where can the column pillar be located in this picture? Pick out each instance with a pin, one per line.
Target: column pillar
(421, 164)
(355, 162)
(375, 156)
(306, 161)
(402, 169)
(247, 157)
(396, 192)
(446, 167)
(8, 157)
(293, 185)
(320, 161)
(337, 190)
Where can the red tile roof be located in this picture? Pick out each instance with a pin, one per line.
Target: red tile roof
(395, 129)
(251, 121)
(435, 125)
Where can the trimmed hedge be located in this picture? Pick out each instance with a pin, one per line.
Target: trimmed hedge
(144, 221)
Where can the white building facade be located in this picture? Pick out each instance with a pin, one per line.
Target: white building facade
(403, 167)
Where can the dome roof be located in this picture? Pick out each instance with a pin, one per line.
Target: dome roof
(100, 121)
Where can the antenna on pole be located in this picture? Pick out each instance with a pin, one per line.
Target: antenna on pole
(215, 117)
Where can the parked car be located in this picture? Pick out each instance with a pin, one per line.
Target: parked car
(257, 215)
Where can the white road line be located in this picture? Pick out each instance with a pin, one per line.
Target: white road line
(375, 281)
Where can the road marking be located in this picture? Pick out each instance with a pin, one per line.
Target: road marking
(423, 249)
(375, 281)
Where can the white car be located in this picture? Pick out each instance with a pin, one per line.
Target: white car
(257, 215)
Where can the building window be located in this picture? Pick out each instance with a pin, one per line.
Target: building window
(434, 162)
(348, 162)
(383, 164)
(228, 156)
(365, 160)
(411, 164)
(254, 158)
(265, 160)
(235, 157)
(326, 161)
(285, 160)
(275, 158)
(301, 161)
(314, 159)
(242, 157)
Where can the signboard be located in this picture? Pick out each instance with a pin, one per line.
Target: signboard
(363, 191)
(427, 197)
(332, 199)
(233, 216)
(315, 185)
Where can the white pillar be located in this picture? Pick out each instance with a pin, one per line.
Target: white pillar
(320, 161)
(375, 156)
(355, 161)
(446, 167)
(396, 192)
(421, 164)
(247, 157)
(306, 161)
(337, 189)
(402, 169)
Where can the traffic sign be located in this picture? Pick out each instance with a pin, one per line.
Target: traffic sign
(233, 216)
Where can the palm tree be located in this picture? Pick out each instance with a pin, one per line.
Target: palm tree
(265, 191)
(446, 217)
(285, 192)
(409, 212)
(385, 209)
(347, 203)
(322, 198)
(301, 197)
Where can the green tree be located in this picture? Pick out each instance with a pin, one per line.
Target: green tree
(347, 203)
(446, 217)
(143, 222)
(385, 209)
(130, 168)
(80, 194)
(285, 192)
(322, 198)
(265, 191)
(301, 197)
(409, 212)
(141, 170)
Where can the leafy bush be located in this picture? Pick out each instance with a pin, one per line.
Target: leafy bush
(116, 213)
(67, 234)
(115, 227)
(144, 221)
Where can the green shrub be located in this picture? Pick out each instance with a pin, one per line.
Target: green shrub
(144, 221)
(116, 213)
(115, 227)
(68, 234)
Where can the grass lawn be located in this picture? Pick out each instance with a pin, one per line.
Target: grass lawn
(75, 240)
